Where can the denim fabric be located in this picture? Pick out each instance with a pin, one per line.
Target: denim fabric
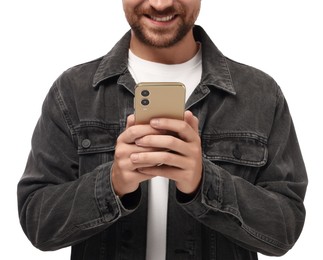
(254, 178)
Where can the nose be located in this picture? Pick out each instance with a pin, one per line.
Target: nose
(161, 5)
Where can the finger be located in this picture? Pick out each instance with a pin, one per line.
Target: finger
(191, 120)
(137, 131)
(185, 182)
(159, 158)
(130, 120)
(163, 143)
(183, 129)
(123, 153)
(161, 171)
(142, 163)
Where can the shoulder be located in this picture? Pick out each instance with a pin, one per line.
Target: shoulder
(241, 71)
(81, 74)
(248, 79)
(76, 81)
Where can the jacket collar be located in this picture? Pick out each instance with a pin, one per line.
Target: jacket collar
(215, 68)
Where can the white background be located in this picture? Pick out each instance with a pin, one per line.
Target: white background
(40, 39)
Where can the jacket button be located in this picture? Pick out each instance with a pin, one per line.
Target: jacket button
(86, 143)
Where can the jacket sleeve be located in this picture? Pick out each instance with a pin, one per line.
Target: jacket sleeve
(266, 216)
(57, 208)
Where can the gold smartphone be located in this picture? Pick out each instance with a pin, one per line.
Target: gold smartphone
(159, 99)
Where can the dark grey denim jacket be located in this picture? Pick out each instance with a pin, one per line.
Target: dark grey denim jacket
(254, 178)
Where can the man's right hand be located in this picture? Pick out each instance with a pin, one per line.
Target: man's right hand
(125, 177)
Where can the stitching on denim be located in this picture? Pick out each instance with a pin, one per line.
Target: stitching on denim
(90, 224)
(229, 81)
(103, 196)
(240, 162)
(98, 124)
(64, 110)
(97, 150)
(219, 184)
(98, 193)
(266, 239)
(236, 134)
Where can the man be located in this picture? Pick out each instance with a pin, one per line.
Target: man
(228, 184)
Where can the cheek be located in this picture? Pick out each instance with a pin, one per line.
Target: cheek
(196, 12)
(130, 9)
(131, 4)
(129, 15)
(128, 6)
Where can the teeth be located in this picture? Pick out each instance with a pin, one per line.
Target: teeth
(162, 19)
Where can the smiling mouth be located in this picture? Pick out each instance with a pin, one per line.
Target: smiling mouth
(162, 19)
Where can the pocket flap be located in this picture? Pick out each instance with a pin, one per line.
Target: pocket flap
(94, 137)
(239, 148)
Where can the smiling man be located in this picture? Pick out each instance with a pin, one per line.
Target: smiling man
(228, 183)
(163, 25)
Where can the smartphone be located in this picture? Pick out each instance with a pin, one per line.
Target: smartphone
(159, 99)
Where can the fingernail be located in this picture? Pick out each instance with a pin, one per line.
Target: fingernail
(154, 122)
(137, 141)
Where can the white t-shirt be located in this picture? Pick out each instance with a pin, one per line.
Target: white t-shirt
(188, 73)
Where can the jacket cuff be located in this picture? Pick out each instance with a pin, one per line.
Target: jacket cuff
(106, 199)
(209, 195)
(110, 205)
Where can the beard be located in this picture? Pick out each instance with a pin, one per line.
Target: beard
(157, 38)
(161, 37)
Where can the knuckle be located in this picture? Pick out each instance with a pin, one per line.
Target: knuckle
(170, 141)
(119, 140)
(196, 149)
(183, 128)
(131, 133)
(118, 154)
(167, 157)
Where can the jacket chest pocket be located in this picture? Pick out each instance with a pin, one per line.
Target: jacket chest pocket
(96, 144)
(240, 153)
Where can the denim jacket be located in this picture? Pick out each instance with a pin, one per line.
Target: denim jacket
(254, 179)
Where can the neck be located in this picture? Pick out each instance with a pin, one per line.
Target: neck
(179, 53)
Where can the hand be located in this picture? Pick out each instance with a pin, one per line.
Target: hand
(125, 177)
(180, 155)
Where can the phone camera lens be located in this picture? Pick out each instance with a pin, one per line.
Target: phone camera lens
(145, 93)
(145, 102)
